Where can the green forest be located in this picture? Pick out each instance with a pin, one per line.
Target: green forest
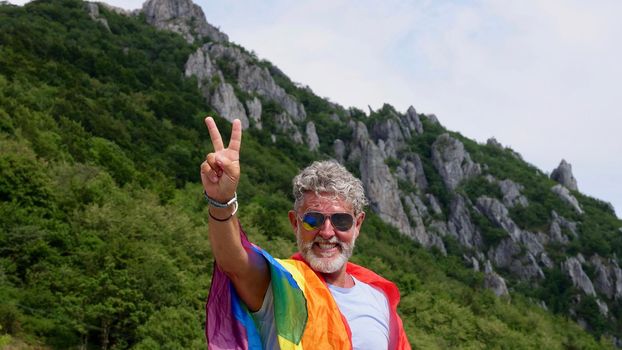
(103, 227)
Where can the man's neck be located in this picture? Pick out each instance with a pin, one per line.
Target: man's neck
(339, 278)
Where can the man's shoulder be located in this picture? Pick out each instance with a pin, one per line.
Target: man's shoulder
(368, 276)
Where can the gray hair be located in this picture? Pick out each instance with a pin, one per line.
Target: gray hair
(329, 177)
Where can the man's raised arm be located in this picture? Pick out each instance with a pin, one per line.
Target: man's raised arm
(220, 174)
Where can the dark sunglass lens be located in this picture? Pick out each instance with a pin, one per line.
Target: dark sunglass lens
(312, 221)
(342, 221)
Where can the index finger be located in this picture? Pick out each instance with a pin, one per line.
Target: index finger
(236, 136)
(214, 134)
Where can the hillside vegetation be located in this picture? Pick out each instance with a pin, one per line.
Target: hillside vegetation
(103, 228)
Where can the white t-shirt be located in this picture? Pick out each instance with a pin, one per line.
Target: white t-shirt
(365, 308)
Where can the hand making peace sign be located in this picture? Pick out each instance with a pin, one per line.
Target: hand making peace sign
(220, 172)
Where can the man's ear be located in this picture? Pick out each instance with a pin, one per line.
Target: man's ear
(293, 220)
(358, 222)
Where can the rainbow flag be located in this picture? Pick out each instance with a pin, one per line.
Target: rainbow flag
(305, 312)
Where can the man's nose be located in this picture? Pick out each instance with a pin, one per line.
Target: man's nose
(326, 230)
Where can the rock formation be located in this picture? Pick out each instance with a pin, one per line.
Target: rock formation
(565, 196)
(511, 192)
(286, 126)
(200, 65)
(411, 122)
(380, 185)
(498, 214)
(227, 104)
(411, 170)
(254, 112)
(558, 226)
(339, 149)
(494, 282)
(563, 175)
(452, 162)
(460, 225)
(183, 17)
(494, 143)
(93, 11)
(608, 279)
(572, 266)
(311, 136)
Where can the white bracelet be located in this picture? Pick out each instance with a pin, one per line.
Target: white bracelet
(235, 209)
(218, 204)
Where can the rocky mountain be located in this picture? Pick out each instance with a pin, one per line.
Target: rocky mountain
(433, 185)
(100, 139)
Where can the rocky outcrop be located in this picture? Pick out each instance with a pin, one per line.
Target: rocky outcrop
(421, 207)
(511, 192)
(494, 143)
(431, 118)
(438, 228)
(254, 79)
(254, 112)
(494, 282)
(498, 215)
(119, 10)
(200, 65)
(380, 185)
(360, 138)
(311, 136)
(286, 125)
(382, 189)
(504, 254)
(416, 211)
(509, 255)
(568, 198)
(572, 266)
(452, 162)
(339, 150)
(558, 225)
(411, 122)
(563, 175)
(92, 9)
(251, 79)
(388, 135)
(227, 104)
(460, 225)
(388, 148)
(434, 204)
(183, 17)
(608, 279)
(410, 170)
(388, 129)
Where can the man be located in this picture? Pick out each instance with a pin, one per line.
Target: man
(316, 300)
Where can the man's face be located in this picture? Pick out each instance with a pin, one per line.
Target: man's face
(326, 248)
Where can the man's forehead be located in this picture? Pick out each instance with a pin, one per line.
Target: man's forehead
(327, 201)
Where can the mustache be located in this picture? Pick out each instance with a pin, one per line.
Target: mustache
(332, 240)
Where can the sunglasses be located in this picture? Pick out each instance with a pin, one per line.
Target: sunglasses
(313, 220)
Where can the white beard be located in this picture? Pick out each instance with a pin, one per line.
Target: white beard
(320, 263)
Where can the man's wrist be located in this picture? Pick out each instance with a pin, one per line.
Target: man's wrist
(221, 204)
(222, 214)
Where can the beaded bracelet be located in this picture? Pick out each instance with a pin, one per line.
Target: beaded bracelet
(218, 204)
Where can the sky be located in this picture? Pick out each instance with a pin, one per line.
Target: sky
(541, 76)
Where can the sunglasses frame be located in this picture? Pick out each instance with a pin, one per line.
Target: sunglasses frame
(324, 216)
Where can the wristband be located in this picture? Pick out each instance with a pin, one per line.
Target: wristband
(218, 204)
(235, 209)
